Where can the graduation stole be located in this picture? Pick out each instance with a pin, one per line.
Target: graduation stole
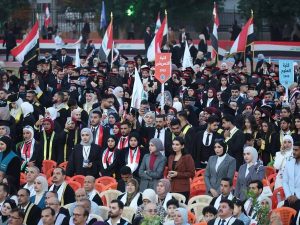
(6, 160)
(75, 142)
(186, 128)
(27, 213)
(46, 144)
(107, 158)
(99, 136)
(134, 158)
(230, 221)
(18, 116)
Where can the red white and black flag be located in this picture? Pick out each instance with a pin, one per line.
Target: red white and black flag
(28, 51)
(214, 36)
(245, 38)
(107, 42)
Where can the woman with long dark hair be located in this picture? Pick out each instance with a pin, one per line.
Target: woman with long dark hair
(296, 132)
(250, 126)
(181, 168)
(267, 141)
(219, 166)
(6, 208)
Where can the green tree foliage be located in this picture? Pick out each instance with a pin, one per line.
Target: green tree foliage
(14, 10)
(276, 13)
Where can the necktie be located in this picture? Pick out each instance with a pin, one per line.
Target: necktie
(223, 222)
(158, 133)
(94, 132)
(207, 140)
(63, 59)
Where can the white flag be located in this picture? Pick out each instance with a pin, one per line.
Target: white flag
(77, 58)
(137, 92)
(187, 60)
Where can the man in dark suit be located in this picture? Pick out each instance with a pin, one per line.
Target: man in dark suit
(115, 211)
(234, 138)
(225, 214)
(100, 133)
(204, 141)
(64, 59)
(32, 212)
(159, 131)
(60, 217)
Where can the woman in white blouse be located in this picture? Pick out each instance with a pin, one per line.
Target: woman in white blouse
(281, 157)
(219, 166)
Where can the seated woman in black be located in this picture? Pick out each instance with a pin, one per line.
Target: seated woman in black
(111, 160)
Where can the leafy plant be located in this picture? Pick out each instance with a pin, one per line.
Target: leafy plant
(262, 212)
(155, 220)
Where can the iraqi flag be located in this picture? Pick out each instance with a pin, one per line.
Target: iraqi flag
(28, 51)
(107, 42)
(137, 92)
(158, 23)
(245, 38)
(214, 36)
(47, 19)
(157, 41)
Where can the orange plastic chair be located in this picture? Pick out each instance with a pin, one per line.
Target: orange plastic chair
(269, 170)
(275, 196)
(105, 180)
(200, 173)
(191, 218)
(49, 180)
(79, 179)
(112, 186)
(63, 165)
(201, 223)
(74, 185)
(197, 188)
(99, 187)
(47, 165)
(49, 173)
(286, 214)
(22, 178)
(272, 177)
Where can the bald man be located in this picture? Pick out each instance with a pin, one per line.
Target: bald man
(92, 193)
(81, 194)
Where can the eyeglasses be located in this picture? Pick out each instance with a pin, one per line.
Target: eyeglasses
(14, 218)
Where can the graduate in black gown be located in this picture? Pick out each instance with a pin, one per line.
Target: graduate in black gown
(84, 160)
(111, 159)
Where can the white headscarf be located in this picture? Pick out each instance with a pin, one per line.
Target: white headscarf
(53, 113)
(253, 152)
(30, 129)
(288, 138)
(89, 131)
(26, 108)
(44, 182)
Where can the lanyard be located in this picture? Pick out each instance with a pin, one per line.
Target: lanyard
(50, 146)
(86, 151)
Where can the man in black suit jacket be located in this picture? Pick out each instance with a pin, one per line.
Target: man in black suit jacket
(64, 59)
(159, 131)
(235, 140)
(32, 212)
(205, 141)
(115, 211)
(225, 214)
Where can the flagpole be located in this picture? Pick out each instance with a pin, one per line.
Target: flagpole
(166, 15)
(253, 53)
(112, 49)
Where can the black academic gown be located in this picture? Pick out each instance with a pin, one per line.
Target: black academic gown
(112, 169)
(235, 147)
(68, 197)
(125, 153)
(201, 152)
(56, 151)
(32, 214)
(12, 166)
(70, 139)
(76, 161)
